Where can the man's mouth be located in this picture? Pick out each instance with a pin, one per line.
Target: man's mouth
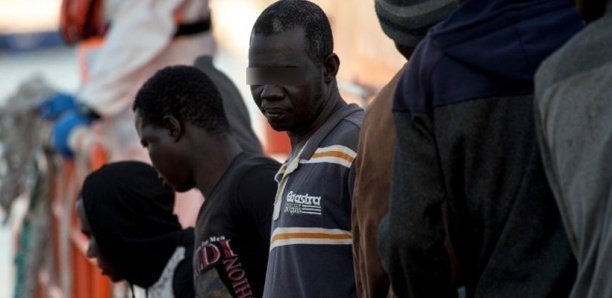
(274, 113)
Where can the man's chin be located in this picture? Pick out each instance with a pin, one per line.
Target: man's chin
(181, 188)
(115, 278)
(278, 126)
(112, 277)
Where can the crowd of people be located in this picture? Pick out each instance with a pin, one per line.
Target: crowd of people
(479, 170)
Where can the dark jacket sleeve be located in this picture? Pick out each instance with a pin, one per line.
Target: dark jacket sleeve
(415, 255)
(417, 258)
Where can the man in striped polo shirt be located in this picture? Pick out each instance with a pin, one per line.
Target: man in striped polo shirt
(292, 73)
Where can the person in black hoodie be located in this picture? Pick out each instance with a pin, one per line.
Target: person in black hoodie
(126, 212)
(467, 162)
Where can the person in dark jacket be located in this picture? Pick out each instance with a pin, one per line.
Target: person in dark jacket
(467, 162)
(126, 212)
(574, 121)
(375, 151)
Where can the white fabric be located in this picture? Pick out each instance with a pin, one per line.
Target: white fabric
(139, 43)
(163, 287)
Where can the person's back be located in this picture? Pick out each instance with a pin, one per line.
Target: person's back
(467, 160)
(375, 153)
(574, 120)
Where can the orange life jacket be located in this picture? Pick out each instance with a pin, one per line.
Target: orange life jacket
(81, 19)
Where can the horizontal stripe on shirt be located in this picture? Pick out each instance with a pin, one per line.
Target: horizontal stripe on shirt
(336, 154)
(292, 236)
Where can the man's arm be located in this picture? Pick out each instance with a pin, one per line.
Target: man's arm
(415, 256)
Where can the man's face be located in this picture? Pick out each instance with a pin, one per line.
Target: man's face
(290, 103)
(93, 251)
(166, 154)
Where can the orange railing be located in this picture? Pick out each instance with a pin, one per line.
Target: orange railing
(72, 274)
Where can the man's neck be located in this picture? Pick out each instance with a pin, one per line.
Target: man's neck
(334, 103)
(212, 162)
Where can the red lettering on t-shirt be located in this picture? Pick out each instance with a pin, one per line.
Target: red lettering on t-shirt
(208, 254)
(227, 250)
(235, 272)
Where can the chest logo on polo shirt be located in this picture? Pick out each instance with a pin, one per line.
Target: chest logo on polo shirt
(302, 204)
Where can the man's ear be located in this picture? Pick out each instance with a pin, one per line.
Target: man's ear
(174, 127)
(331, 64)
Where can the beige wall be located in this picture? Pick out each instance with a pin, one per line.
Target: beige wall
(368, 57)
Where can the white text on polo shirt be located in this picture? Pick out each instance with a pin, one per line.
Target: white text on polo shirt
(302, 204)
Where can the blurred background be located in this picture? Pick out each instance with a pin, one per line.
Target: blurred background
(31, 49)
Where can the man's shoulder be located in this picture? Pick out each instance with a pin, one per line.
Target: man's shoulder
(354, 120)
(586, 50)
(256, 186)
(246, 170)
(257, 171)
(257, 165)
(347, 130)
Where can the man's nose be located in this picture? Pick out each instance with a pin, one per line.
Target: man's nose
(272, 92)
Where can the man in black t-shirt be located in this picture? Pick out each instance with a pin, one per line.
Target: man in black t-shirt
(181, 122)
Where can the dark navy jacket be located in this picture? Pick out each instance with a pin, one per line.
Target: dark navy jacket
(467, 162)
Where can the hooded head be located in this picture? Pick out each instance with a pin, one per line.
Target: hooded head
(129, 212)
(500, 43)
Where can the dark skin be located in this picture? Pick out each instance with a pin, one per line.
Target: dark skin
(186, 155)
(406, 51)
(299, 110)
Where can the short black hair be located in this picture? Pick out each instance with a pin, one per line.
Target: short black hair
(289, 14)
(183, 92)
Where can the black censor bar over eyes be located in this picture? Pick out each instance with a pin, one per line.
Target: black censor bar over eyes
(294, 76)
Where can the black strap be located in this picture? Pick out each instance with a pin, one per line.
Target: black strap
(87, 111)
(187, 29)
